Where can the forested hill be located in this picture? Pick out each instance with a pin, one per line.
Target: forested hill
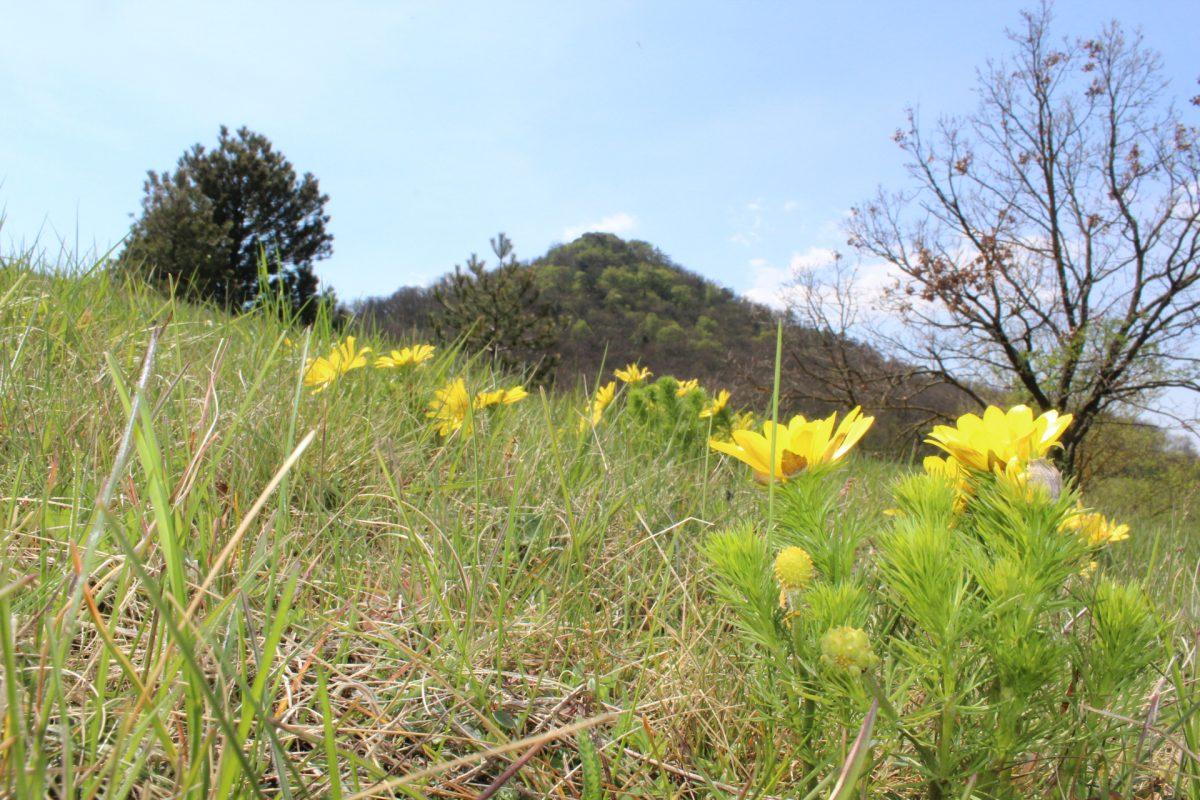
(629, 300)
(623, 301)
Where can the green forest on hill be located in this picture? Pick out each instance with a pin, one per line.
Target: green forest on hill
(619, 301)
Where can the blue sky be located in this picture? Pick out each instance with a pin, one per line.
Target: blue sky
(734, 136)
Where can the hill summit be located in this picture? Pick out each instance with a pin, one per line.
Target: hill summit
(627, 301)
(621, 301)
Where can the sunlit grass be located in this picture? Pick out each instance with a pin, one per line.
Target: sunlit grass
(290, 593)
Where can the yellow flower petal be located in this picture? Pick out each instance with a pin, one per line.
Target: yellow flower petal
(633, 374)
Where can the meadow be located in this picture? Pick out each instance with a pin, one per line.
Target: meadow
(219, 581)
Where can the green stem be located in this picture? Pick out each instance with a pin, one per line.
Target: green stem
(771, 477)
(704, 483)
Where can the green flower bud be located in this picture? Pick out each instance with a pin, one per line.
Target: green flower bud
(848, 649)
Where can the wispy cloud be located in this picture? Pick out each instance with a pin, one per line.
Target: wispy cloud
(812, 260)
(774, 286)
(771, 285)
(751, 224)
(618, 223)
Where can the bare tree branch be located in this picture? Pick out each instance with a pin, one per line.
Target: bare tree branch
(1051, 245)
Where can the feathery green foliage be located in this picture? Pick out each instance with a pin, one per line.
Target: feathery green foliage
(672, 420)
(1002, 668)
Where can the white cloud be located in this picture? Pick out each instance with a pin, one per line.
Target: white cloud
(812, 259)
(768, 285)
(619, 223)
(790, 206)
(772, 285)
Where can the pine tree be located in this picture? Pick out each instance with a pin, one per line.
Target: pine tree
(499, 312)
(206, 227)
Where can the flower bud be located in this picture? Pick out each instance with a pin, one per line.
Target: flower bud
(1045, 476)
(793, 568)
(847, 648)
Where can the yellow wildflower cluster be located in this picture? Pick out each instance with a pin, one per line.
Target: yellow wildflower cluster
(452, 405)
(799, 445)
(634, 375)
(321, 372)
(1012, 445)
(1095, 528)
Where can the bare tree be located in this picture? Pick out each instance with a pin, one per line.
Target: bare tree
(1050, 244)
(841, 365)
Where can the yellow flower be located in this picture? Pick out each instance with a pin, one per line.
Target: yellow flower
(847, 648)
(513, 394)
(1089, 569)
(322, 371)
(452, 404)
(793, 568)
(417, 354)
(799, 445)
(687, 386)
(743, 420)
(716, 405)
(604, 396)
(485, 399)
(633, 374)
(945, 468)
(450, 407)
(1094, 528)
(999, 436)
(819, 442)
(500, 396)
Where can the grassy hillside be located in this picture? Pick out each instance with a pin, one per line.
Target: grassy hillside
(295, 594)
